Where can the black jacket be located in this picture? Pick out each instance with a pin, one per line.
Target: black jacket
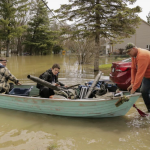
(49, 77)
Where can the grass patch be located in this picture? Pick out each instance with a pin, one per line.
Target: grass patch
(106, 69)
(105, 66)
(118, 58)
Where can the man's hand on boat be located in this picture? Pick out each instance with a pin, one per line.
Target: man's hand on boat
(18, 83)
(130, 89)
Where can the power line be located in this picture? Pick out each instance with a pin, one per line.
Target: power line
(51, 11)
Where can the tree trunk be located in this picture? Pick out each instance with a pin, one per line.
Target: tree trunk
(7, 48)
(96, 58)
(19, 47)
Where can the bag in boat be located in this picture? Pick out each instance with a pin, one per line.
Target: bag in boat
(82, 90)
(69, 93)
(112, 87)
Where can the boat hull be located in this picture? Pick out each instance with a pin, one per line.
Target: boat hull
(93, 108)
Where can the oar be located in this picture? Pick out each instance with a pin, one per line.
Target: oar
(140, 112)
(93, 84)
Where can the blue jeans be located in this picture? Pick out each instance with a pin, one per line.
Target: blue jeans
(145, 89)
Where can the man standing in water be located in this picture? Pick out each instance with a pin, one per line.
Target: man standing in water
(51, 76)
(140, 70)
(5, 75)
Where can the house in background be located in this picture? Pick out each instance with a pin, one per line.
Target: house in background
(105, 46)
(141, 38)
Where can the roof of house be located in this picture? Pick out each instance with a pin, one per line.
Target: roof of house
(145, 22)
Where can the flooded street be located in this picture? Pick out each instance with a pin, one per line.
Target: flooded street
(35, 65)
(31, 131)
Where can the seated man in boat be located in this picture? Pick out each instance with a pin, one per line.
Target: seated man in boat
(51, 76)
(5, 75)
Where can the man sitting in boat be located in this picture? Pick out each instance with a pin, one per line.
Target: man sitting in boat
(51, 76)
(5, 75)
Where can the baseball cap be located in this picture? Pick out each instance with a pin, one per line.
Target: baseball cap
(128, 47)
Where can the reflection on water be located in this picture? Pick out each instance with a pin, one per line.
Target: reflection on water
(35, 65)
(31, 131)
(23, 130)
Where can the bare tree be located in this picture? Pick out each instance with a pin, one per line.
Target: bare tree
(83, 49)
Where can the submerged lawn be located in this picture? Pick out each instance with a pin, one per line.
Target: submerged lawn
(105, 68)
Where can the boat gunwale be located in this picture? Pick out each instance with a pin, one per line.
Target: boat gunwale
(71, 100)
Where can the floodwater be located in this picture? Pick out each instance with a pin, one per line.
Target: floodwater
(35, 65)
(31, 131)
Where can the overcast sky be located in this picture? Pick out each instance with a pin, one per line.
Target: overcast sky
(144, 4)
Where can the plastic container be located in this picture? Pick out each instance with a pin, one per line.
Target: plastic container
(20, 92)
